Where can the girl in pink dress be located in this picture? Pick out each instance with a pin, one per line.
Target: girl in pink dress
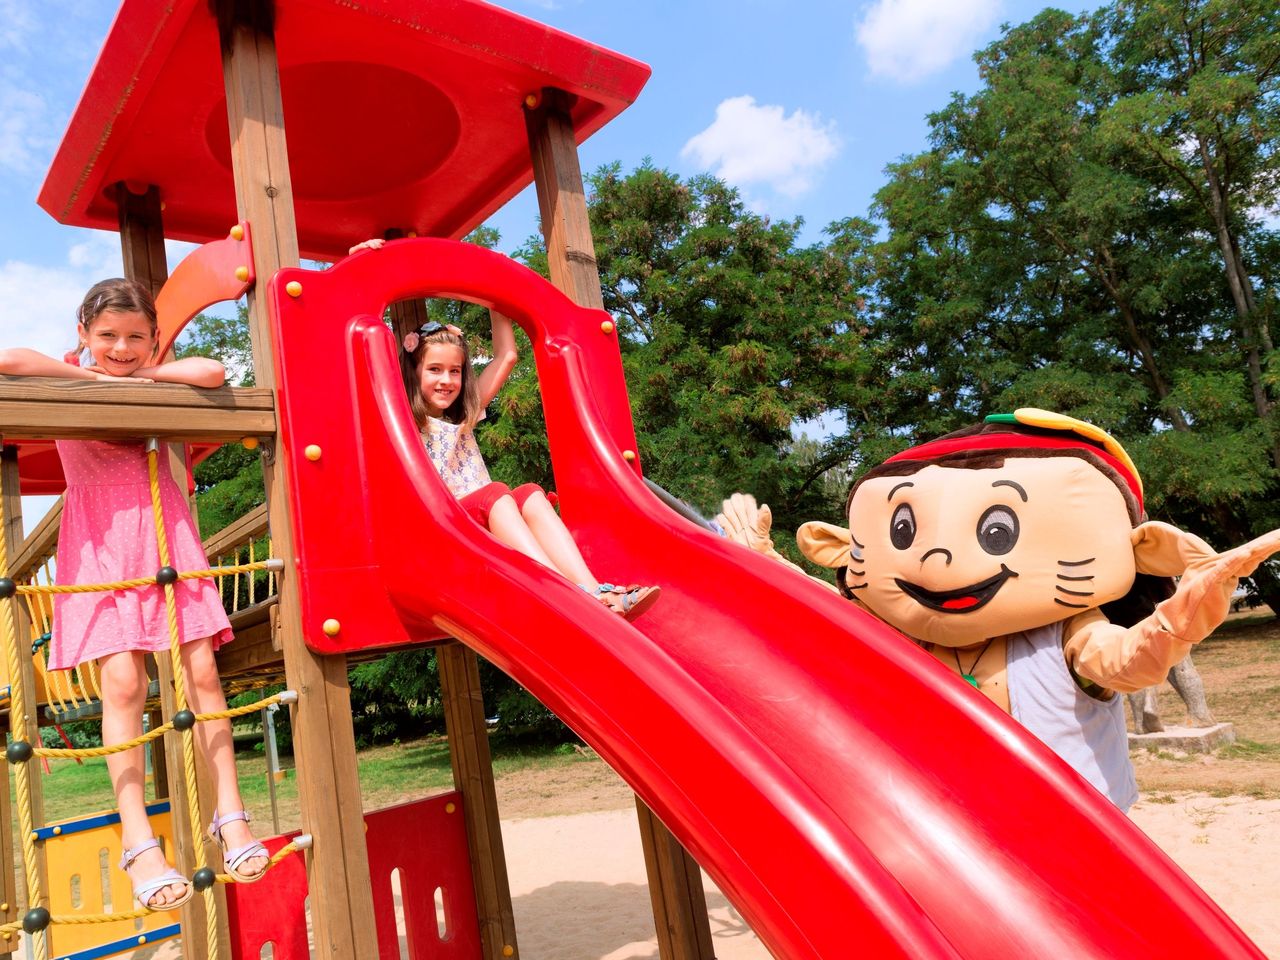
(108, 534)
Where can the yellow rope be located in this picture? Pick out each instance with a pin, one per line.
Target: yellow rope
(80, 919)
(180, 694)
(154, 733)
(142, 581)
(18, 715)
(18, 720)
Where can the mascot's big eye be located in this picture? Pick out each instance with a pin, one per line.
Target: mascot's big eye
(998, 530)
(902, 528)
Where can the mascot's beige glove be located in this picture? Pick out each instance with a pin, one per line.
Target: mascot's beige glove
(749, 523)
(1203, 597)
(1142, 655)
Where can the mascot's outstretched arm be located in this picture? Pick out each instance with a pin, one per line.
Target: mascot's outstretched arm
(749, 523)
(1129, 659)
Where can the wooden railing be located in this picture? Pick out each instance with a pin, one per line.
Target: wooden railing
(48, 408)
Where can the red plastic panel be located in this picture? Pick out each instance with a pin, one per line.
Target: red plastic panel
(206, 276)
(847, 792)
(273, 910)
(399, 113)
(425, 840)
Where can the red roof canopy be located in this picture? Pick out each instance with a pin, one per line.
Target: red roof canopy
(399, 113)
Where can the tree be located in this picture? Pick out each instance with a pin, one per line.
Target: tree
(229, 482)
(1044, 251)
(731, 334)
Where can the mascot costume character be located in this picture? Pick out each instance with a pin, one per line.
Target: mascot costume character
(1017, 552)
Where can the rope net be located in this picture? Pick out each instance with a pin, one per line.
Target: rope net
(37, 918)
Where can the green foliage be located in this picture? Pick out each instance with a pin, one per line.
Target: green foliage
(225, 339)
(1082, 235)
(731, 333)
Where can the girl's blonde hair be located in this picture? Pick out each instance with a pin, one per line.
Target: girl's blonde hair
(466, 408)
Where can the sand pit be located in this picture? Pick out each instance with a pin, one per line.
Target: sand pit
(579, 891)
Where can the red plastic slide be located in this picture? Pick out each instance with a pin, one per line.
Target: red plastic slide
(849, 795)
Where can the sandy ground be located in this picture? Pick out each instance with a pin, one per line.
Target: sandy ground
(1231, 847)
(579, 887)
(579, 891)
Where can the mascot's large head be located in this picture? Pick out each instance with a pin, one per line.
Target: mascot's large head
(1023, 520)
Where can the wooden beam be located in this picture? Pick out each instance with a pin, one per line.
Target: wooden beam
(142, 236)
(473, 778)
(680, 910)
(53, 409)
(678, 897)
(324, 740)
(41, 543)
(237, 533)
(562, 202)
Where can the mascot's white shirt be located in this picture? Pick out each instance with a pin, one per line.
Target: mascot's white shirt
(1088, 734)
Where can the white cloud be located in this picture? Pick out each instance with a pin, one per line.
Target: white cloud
(907, 40)
(750, 143)
(40, 301)
(17, 21)
(25, 140)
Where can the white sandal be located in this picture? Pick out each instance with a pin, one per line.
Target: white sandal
(145, 891)
(231, 859)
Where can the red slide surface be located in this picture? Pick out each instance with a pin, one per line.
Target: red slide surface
(847, 793)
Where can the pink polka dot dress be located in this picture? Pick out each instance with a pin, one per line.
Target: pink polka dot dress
(108, 534)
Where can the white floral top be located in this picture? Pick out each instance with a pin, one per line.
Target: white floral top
(453, 450)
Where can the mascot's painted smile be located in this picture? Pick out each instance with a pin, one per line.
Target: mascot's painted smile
(963, 600)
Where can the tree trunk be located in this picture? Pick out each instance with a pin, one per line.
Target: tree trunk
(1256, 336)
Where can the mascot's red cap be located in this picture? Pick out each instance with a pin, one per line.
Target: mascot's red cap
(1072, 434)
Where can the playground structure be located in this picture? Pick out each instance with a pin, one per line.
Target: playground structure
(836, 784)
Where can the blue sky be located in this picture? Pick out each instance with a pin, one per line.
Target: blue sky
(798, 103)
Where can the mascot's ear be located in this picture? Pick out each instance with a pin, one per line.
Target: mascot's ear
(825, 544)
(1163, 550)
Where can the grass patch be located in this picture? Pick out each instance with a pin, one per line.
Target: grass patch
(1250, 750)
(388, 774)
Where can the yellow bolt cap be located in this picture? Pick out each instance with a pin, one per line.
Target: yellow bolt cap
(249, 443)
(242, 274)
(606, 326)
(411, 234)
(312, 452)
(508, 950)
(450, 807)
(331, 627)
(237, 232)
(293, 288)
(628, 455)
(57, 831)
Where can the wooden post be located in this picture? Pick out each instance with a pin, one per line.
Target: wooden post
(142, 235)
(142, 248)
(27, 728)
(680, 906)
(324, 740)
(473, 777)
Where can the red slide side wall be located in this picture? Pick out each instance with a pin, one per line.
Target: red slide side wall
(847, 793)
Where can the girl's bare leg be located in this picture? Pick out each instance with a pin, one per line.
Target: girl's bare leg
(124, 693)
(506, 523)
(554, 538)
(204, 694)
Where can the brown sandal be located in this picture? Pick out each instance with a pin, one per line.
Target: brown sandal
(628, 602)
